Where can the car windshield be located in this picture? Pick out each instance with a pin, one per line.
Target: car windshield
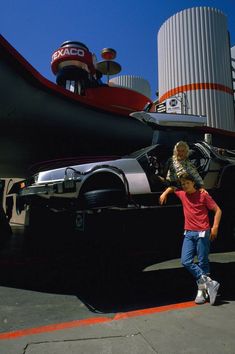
(140, 152)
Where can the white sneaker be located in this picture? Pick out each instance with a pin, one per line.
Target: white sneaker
(201, 297)
(212, 287)
(202, 282)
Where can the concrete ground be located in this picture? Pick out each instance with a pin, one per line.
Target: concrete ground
(81, 296)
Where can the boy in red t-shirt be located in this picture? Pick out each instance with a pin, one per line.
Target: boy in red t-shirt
(197, 234)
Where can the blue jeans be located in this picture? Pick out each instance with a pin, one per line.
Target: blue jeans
(194, 245)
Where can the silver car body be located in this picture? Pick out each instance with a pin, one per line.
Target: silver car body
(134, 173)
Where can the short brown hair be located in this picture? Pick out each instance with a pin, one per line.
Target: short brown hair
(187, 177)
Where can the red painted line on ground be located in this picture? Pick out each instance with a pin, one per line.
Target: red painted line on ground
(93, 321)
(152, 310)
(53, 327)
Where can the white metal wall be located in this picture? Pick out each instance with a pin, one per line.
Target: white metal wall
(135, 83)
(194, 63)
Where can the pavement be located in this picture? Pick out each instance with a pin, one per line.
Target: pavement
(184, 328)
(84, 295)
(172, 328)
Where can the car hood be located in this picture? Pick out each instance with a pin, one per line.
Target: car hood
(70, 172)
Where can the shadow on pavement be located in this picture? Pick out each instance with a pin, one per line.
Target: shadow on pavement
(108, 275)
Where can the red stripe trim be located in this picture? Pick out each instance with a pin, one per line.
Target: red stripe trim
(93, 321)
(53, 327)
(150, 311)
(196, 86)
(103, 98)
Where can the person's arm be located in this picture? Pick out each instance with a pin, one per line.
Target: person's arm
(215, 226)
(163, 196)
(198, 179)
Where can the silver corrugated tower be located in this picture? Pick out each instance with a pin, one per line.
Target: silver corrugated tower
(194, 64)
(135, 83)
(233, 70)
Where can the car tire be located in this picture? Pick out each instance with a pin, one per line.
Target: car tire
(104, 198)
(5, 229)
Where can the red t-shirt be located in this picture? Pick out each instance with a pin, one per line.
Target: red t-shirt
(195, 207)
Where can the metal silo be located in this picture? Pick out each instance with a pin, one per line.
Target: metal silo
(194, 64)
(233, 70)
(132, 82)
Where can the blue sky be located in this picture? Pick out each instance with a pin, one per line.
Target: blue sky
(37, 28)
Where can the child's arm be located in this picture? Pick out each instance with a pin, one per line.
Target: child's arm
(215, 227)
(163, 196)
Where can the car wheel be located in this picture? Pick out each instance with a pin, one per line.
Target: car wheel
(5, 229)
(104, 198)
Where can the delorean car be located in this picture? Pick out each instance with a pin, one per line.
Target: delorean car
(132, 181)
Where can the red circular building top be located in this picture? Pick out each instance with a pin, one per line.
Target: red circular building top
(72, 53)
